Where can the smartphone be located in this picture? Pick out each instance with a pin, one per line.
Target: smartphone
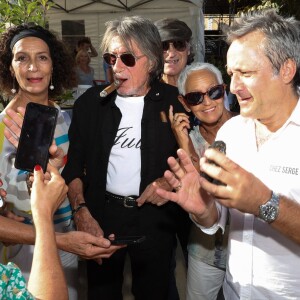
(36, 136)
(221, 146)
(128, 240)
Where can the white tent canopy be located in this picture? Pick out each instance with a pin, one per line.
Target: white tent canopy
(94, 15)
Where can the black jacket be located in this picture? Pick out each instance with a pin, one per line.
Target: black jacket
(93, 130)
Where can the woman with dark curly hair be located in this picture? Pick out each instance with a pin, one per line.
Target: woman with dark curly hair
(62, 70)
(34, 67)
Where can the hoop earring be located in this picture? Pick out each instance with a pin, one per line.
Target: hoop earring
(51, 87)
(13, 90)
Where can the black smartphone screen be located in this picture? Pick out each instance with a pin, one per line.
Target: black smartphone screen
(127, 240)
(36, 136)
(221, 146)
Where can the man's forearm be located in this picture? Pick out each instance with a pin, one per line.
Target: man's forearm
(14, 232)
(75, 192)
(288, 221)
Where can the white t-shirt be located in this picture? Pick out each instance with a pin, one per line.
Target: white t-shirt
(124, 166)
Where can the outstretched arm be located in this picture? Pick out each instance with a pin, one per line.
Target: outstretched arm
(46, 279)
(86, 224)
(82, 243)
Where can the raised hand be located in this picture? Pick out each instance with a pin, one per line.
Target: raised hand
(12, 132)
(47, 193)
(180, 125)
(185, 180)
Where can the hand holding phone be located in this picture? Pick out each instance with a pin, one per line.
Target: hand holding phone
(36, 136)
(221, 146)
(127, 240)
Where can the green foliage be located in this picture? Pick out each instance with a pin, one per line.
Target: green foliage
(23, 11)
(285, 7)
(67, 95)
(263, 4)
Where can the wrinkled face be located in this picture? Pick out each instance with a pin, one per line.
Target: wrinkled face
(209, 111)
(135, 79)
(259, 91)
(32, 65)
(174, 60)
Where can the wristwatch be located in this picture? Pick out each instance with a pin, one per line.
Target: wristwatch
(269, 211)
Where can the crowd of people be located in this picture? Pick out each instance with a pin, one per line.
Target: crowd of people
(137, 161)
(259, 189)
(35, 67)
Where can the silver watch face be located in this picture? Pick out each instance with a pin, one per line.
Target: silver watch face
(268, 212)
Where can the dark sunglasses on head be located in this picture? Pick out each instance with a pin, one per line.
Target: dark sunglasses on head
(214, 93)
(128, 59)
(178, 45)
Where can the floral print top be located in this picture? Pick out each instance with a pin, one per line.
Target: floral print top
(12, 283)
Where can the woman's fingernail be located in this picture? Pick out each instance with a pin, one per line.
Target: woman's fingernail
(37, 168)
(1, 182)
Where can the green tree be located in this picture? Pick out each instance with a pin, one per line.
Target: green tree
(285, 7)
(23, 11)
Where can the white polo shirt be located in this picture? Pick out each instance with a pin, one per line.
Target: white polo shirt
(262, 263)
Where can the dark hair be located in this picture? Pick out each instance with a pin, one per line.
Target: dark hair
(174, 29)
(84, 40)
(63, 75)
(282, 37)
(144, 33)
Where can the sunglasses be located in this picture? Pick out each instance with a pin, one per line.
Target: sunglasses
(214, 93)
(128, 59)
(178, 45)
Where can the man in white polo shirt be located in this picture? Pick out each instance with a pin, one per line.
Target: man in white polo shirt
(261, 170)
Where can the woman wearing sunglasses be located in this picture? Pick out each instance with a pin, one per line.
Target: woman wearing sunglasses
(202, 93)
